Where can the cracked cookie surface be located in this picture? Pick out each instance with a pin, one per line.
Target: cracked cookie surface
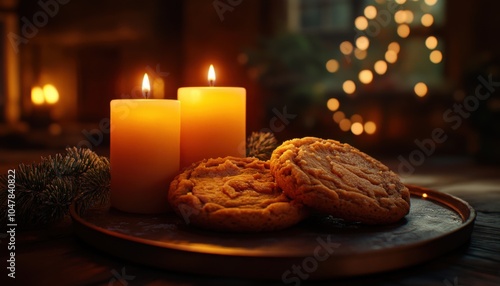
(233, 194)
(338, 179)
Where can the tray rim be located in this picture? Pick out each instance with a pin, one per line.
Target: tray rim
(85, 229)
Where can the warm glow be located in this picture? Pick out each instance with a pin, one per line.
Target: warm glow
(50, 94)
(349, 86)
(380, 67)
(211, 75)
(391, 56)
(146, 87)
(365, 76)
(427, 20)
(436, 56)
(346, 47)
(424, 195)
(361, 23)
(370, 127)
(370, 12)
(357, 128)
(345, 124)
(431, 42)
(362, 43)
(394, 46)
(338, 116)
(332, 65)
(400, 17)
(420, 89)
(360, 54)
(356, 118)
(37, 96)
(430, 2)
(333, 104)
(403, 30)
(400, 2)
(409, 16)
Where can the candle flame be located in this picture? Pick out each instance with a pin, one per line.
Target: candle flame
(37, 96)
(211, 75)
(146, 87)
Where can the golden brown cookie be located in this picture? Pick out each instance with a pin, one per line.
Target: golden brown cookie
(340, 180)
(232, 194)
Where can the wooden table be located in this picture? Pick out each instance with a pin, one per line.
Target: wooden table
(56, 256)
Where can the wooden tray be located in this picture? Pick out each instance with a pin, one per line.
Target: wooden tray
(320, 247)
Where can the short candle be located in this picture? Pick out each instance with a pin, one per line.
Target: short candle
(144, 152)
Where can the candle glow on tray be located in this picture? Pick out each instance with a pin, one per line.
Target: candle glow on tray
(144, 151)
(213, 121)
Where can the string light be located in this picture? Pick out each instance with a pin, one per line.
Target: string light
(362, 43)
(357, 128)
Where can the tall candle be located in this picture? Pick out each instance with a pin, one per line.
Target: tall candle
(144, 152)
(212, 122)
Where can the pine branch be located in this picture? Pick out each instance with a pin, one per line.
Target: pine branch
(45, 190)
(261, 145)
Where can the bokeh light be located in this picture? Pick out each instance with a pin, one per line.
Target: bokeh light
(436, 56)
(360, 54)
(420, 89)
(338, 116)
(357, 128)
(332, 65)
(50, 93)
(380, 67)
(362, 43)
(370, 12)
(365, 76)
(430, 2)
(400, 17)
(427, 20)
(37, 96)
(403, 30)
(346, 48)
(394, 46)
(431, 42)
(349, 86)
(333, 104)
(345, 124)
(356, 118)
(361, 23)
(391, 56)
(370, 127)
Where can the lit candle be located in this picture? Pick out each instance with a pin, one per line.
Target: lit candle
(212, 121)
(144, 151)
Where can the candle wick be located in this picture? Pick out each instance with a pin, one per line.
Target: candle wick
(211, 82)
(145, 94)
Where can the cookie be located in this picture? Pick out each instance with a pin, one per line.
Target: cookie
(340, 180)
(232, 194)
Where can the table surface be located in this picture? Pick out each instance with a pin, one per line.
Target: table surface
(55, 256)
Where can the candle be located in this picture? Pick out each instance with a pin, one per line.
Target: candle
(144, 152)
(212, 121)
